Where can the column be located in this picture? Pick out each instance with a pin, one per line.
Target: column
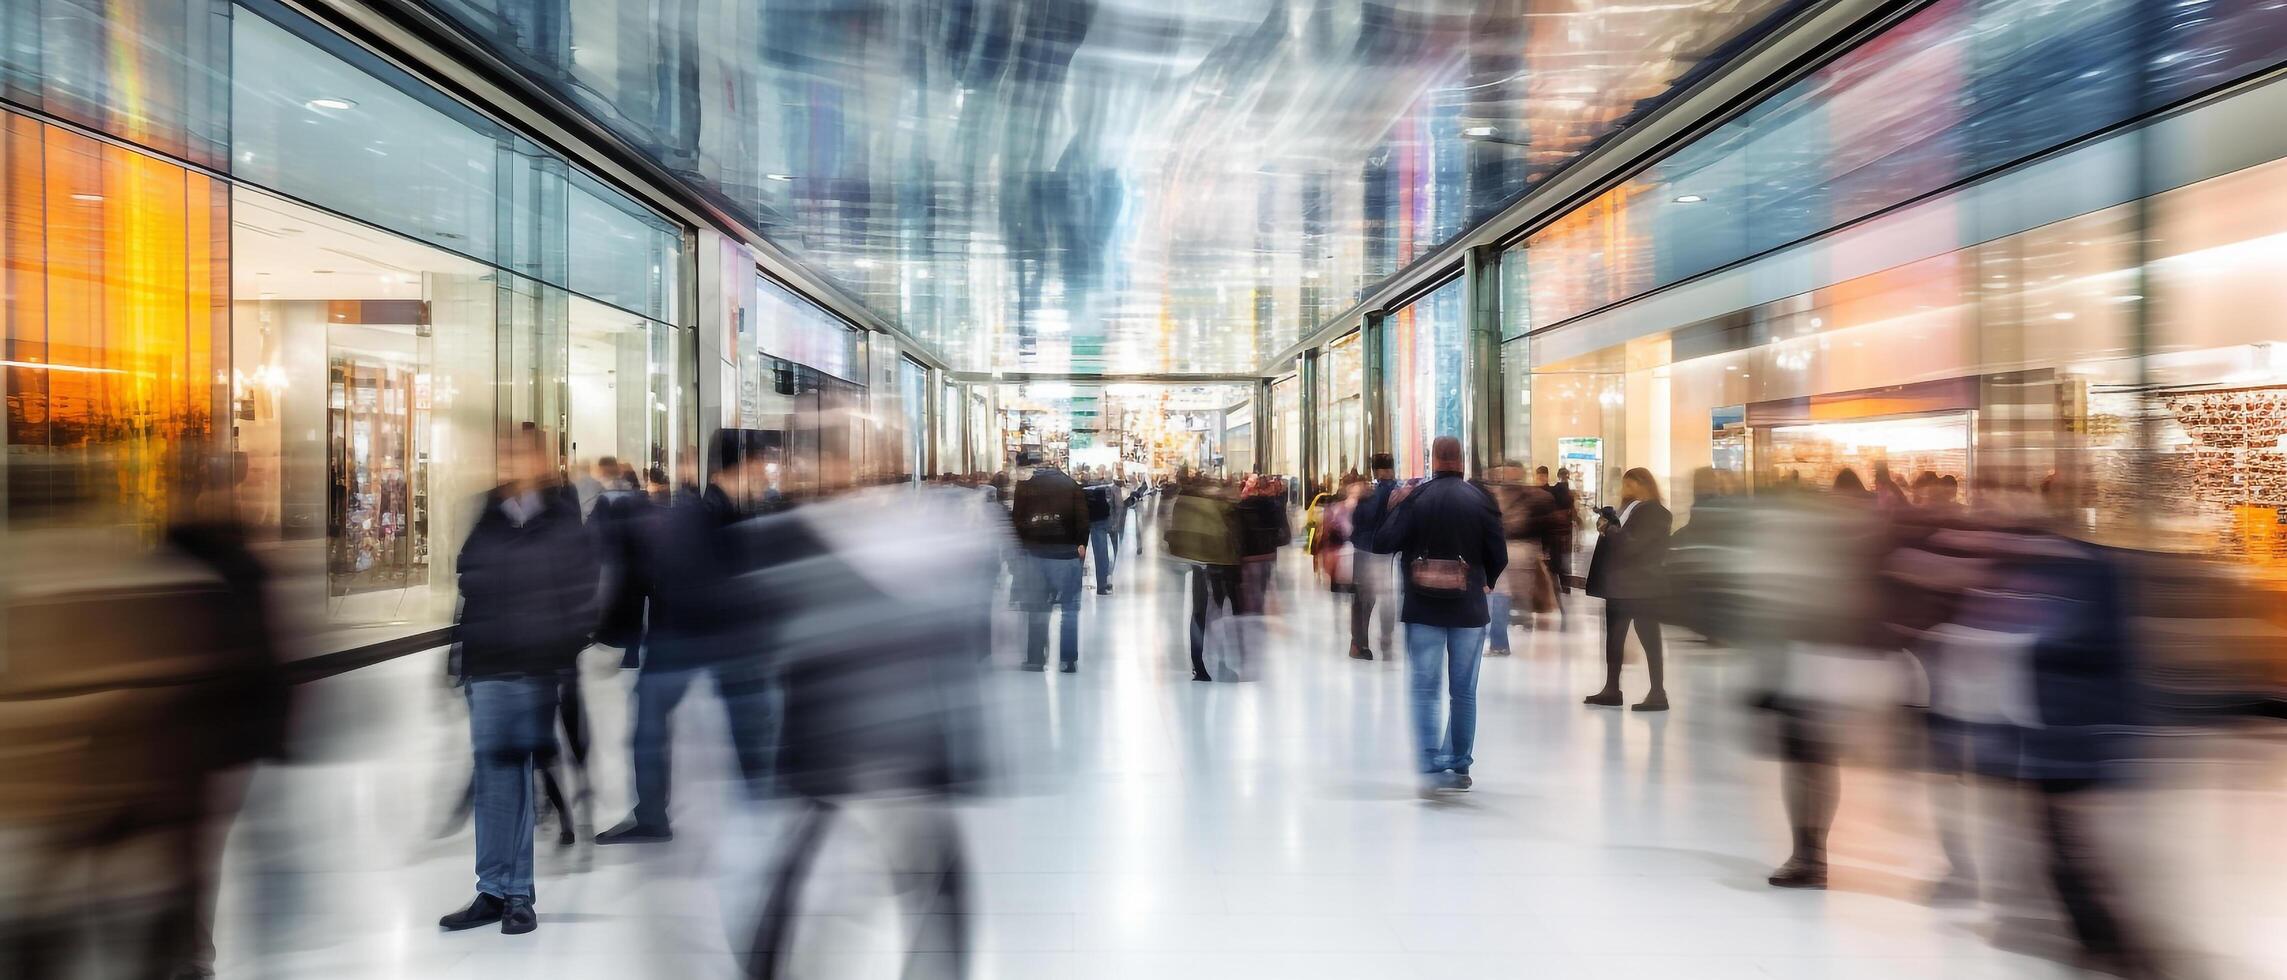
(1376, 427)
(1481, 359)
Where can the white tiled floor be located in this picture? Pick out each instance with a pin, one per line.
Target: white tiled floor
(1149, 826)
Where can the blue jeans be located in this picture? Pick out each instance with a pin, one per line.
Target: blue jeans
(1497, 625)
(658, 690)
(1432, 651)
(1052, 581)
(511, 720)
(1104, 541)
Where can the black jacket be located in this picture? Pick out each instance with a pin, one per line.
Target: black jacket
(527, 593)
(620, 518)
(1050, 514)
(1448, 517)
(1366, 521)
(1631, 560)
(1263, 527)
(694, 563)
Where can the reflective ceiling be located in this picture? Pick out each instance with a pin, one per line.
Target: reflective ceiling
(1112, 186)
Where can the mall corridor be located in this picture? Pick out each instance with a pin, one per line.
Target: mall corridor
(1152, 827)
(949, 489)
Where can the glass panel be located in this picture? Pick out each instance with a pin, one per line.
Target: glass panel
(113, 264)
(1422, 351)
(309, 119)
(363, 394)
(1959, 89)
(152, 72)
(791, 327)
(614, 381)
(622, 254)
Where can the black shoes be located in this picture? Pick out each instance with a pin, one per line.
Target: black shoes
(1033, 667)
(1103, 590)
(1798, 873)
(1068, 667)
(1655, 702)
(630, 832)
(1200, 675)
(485, 911)
(1361, 653)
(518, 918)
(1603, 699)
(1459, 782)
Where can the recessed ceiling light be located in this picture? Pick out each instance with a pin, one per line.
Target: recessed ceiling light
(781, 178)
(1479, 131)
(88, 198)
(2064, 316)
(1689, 199)
(864, 263)
(330, 102)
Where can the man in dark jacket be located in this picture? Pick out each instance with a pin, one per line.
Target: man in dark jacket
(693, 560)
(528, 588)
(1447, 534)
(1372, 568)
(1050, 515)
(1104, 515)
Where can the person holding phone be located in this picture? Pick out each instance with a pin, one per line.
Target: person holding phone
(1629, 572)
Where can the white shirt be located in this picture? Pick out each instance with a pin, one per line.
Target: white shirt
(1630, 509)
(522, 508)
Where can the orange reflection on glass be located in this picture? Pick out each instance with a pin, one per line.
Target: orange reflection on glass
(112, 310)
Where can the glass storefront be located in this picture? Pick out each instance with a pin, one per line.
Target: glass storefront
(2008, 363)
(1341, 408)
(381, 282)
(1422, 355)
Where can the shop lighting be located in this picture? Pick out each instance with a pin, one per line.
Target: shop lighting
(88, 198)
(1689, 198)
(2064, 316)
(331, 102)
(1479, 131)
(781, 178)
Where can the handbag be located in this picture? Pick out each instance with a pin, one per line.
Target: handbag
(1438, 578)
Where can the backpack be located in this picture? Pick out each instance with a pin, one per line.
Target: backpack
(1100, 499)
(1202, 529)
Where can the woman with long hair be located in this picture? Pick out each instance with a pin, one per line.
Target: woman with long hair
(1629, 572)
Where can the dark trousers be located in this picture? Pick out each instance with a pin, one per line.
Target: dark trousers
(929, 840)
(1212, 586)
(658, 690)
(1619, 614)
(2076, 872)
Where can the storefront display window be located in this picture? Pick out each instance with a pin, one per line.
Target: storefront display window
(1422, 353)
(1341, 420)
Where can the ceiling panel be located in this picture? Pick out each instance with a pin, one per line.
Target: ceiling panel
(1117, 186)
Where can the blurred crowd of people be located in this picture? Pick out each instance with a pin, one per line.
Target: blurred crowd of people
(843, 634)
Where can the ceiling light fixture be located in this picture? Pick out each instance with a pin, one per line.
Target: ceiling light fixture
(330, 102)
(88, 198)
(1479, 131)
(864, 263)
(781, 178)
(2064, 316)
(1689, 199)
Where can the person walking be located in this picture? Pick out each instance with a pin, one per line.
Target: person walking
(1202, 532)
(1447, 534)
(1373, 570)
(1050, 515)
(1104, 514)
(1629, 572)
(692, 560)
(528, 578)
